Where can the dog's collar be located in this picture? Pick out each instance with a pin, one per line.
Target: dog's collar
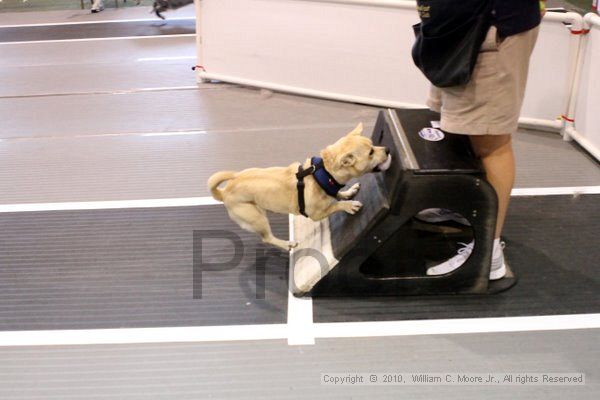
(323, 178)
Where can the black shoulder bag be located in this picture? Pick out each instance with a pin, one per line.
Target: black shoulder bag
(449, 37)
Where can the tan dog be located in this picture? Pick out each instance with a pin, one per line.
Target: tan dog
(250, 193)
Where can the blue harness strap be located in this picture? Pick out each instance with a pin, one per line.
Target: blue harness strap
(323, 178)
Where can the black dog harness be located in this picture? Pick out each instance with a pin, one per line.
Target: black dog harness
(324, 179)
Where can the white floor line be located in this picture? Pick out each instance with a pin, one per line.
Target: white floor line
(99, 39)
(174, 133)
(143, 335)
(108, 21)
(202, 201)
(299, 310)
(103, 135)
(551, 191)
(110, 204)
(300, 328)
(104, 92)
(281, 331)
(145, 59)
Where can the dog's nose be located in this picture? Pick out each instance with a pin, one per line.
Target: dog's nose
(387, 151)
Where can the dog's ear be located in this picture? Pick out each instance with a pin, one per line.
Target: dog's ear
(358, 130)
(347, 160)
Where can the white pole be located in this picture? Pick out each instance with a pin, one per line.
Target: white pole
(199, 38)
(577, 31)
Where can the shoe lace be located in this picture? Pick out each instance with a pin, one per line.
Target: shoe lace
(466, 249)
(462, 254)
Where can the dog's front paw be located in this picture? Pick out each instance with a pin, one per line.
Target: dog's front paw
(350, 193)
(353, 191)
(292, 244)
(353, 207)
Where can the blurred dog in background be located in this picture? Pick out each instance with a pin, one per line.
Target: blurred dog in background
(161, 6)
(158, 7)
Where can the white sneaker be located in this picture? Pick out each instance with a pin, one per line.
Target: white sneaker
(453, 263)
(497, 270)
(97, 6)
(434, 215)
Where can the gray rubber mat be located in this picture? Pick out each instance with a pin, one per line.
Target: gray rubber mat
(141, 167)
(274, 370)
(105, 30)
(97, 52)
(100, 78)
(545, 160)
(215, 107)
(132, 268)
(129, 167)
(243, 129)
(552, 247)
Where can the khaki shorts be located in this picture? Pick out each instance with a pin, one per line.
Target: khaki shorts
(490, 103)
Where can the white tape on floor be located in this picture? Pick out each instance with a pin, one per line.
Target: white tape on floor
(144, 335)
(172, 58)
(103, 205)
(117, 92)
(300, 328)
(555, 191)
(108, 21)
(98, 39)
(283, 331)
(204, 201)
(299, 310)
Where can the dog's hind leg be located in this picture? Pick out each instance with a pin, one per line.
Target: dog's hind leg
(254, 219)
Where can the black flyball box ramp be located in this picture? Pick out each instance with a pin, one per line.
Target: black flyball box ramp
(384, 250)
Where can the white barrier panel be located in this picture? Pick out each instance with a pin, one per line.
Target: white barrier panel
(551, 70)
(357, 50)
(198, 6)
(352, 50)
(585, 128)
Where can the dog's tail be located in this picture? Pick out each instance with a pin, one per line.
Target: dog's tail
(216, 179)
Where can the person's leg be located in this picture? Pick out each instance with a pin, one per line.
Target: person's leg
(498, 160)
(487, 109)
(97, 6)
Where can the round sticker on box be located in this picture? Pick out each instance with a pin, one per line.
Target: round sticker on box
(431, 134)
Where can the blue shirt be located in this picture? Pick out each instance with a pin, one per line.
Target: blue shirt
(515, 16)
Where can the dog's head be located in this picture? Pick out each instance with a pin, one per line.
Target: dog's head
(354, 155)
